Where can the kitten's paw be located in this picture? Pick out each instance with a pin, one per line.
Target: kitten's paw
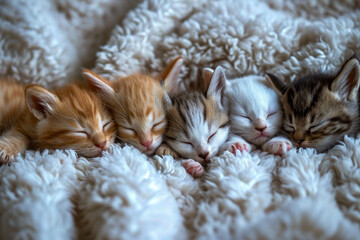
(7, 154)
(166, 150)
(194, 168)
(277, 147)
(242, 146)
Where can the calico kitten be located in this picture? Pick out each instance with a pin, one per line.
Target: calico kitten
(321, 109)
(255, 115)
(198, 125)
(138, 104)
(70, 117)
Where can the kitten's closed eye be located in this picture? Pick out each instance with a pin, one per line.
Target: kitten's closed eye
(83, 134)
(188, 143)
(158, 126)
(289, 128)
(316, 127)
(212, 135)
(127, 130)
(244, 116)
(271, 114)
(106, 125)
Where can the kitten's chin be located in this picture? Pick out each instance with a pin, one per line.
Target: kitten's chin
(260, 140)
(149, 152)
(91, 155)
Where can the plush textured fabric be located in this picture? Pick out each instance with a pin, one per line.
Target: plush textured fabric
(126, 195)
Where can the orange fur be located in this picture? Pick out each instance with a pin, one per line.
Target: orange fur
(12, 103)
(138, 104)
(70, 117)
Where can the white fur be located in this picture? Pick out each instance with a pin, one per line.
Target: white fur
(199, 136)
(251, 101)
(302, 195)
(204, 136)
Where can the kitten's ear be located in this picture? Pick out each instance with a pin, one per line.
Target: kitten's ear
(41, 102)
(207, 74)
(276, 83)
(170, 76)
(346, 83)
(217, 83)
(98, 83)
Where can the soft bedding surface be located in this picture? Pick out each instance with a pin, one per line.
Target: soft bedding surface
(127, 195)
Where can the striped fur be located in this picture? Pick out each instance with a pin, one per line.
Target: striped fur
(12, 103)
(198, 126)
(71, 117)
(319, 110)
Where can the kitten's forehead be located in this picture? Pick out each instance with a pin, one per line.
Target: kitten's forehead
(195, 116)
(139, 97)
(305, 94)
(249, 95)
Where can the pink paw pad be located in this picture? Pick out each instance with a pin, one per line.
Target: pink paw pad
(193, 168)
(283, 149)
(238, 146)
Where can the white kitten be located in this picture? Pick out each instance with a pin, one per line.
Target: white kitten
(255, 115)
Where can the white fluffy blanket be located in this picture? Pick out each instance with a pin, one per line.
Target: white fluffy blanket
(124, 194)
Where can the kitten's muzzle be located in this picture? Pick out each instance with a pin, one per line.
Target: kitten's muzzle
(147, 144)
(204, 155)
(101, 145)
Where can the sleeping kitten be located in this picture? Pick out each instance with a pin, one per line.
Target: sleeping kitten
(255, 115)
(70, 117)
(198, 126)
(321, 109)
(138, 104)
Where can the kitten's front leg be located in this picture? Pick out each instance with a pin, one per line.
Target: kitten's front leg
(164, 149)
(238, 143)
(12, 143)
(194, 168)
(277, 146)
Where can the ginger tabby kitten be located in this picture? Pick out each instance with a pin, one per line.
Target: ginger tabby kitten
(138, 103)
(69, 117)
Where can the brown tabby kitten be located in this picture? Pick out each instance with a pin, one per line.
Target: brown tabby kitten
(319, 110)
(70, 117)
(138, 104)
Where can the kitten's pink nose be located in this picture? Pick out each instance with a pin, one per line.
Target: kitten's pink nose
(204, 155)
(260, 129)
(147, 144)
(260, 124)
(101, 145)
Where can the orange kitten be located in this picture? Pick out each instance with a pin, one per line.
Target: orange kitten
(70, 117)
(138, 103)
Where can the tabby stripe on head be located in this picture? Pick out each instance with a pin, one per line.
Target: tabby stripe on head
(56, 134)
(225, 124)
(345, 119)
(204, 107)
(180, 113)
(171, 138)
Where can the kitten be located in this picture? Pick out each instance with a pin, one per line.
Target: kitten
(69, 117)
(138, 104)
(255, 115)
(198, 125)
(321, 109)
